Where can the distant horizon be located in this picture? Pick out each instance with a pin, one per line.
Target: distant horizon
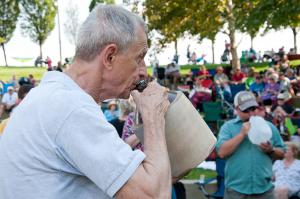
(20, 49)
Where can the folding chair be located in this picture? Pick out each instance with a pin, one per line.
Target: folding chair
(212, 111)
(235, 88)
(219, 194)
(195, 72)
(212, 114)
(5, 87)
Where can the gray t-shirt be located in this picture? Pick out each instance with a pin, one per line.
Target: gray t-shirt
(58, 145)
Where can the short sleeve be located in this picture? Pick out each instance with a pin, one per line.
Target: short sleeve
(224, 135)
(92, 146)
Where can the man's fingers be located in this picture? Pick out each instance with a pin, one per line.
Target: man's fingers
(135, 94)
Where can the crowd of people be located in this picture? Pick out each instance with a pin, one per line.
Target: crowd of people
(272, 94)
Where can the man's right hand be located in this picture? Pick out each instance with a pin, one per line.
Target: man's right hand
(153, 100)
(245, 128)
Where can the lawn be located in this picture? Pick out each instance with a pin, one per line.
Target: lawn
(195, 174)
(7, 72)
(185, 69)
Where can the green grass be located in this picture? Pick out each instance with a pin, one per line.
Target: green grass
(194, 174)
(7, 72)
(295, 63)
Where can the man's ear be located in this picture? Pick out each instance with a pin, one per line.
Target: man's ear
(109, 55)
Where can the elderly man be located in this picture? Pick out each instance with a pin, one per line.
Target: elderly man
(9, 101)
(248, 170)
(58, 144)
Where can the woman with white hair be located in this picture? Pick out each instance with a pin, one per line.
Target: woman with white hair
(287, 173)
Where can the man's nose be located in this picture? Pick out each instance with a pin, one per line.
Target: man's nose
(143, 71)
(252, 113)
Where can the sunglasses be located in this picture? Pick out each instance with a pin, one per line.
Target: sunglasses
(250, 109)
(261, 108)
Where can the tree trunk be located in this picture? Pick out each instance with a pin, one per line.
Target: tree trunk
(41, 53)
(251, 41)
(176, 48)
(213, 50)
(4, 53)
(235, 63)
(295, 39)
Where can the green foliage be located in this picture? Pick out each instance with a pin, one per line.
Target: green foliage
(38, 19)
(9, 12)
(250, 20)
(278, 14)
(206, 19)
(172, 18)
(283, 13)
(166, 17)
(94, 3)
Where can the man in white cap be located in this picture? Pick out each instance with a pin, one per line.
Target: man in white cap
(248, 170)
(9, 101)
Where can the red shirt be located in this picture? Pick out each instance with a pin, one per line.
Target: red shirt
(203, 73)
(238, 77)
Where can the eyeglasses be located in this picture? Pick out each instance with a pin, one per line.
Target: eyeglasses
(250, 109)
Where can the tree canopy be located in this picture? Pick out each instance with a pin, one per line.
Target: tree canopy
(283, 14)
(207, 18)
(9, 12)
(72, 22)
(38, 19)
(94, 3)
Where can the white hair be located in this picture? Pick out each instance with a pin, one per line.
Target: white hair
(107, 24)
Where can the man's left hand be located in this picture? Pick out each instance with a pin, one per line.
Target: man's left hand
(266, 147)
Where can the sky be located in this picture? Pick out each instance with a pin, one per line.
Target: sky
(22, 47)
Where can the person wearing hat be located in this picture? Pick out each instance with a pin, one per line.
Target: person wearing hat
(173, 74)
(248, 170)
(112, 112)
(22, 92)
(9, 101)
(282, 108)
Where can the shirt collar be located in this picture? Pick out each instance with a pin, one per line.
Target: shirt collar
(237, 120)
(55, 76)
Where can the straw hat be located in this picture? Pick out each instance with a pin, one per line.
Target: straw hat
(112, 102)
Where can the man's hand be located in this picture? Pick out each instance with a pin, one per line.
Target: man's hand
(245, 128)
(153, 100)
(266, 147)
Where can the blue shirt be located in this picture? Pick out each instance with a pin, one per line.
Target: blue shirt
(258, 88)
(111, 115)
(248, 170)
